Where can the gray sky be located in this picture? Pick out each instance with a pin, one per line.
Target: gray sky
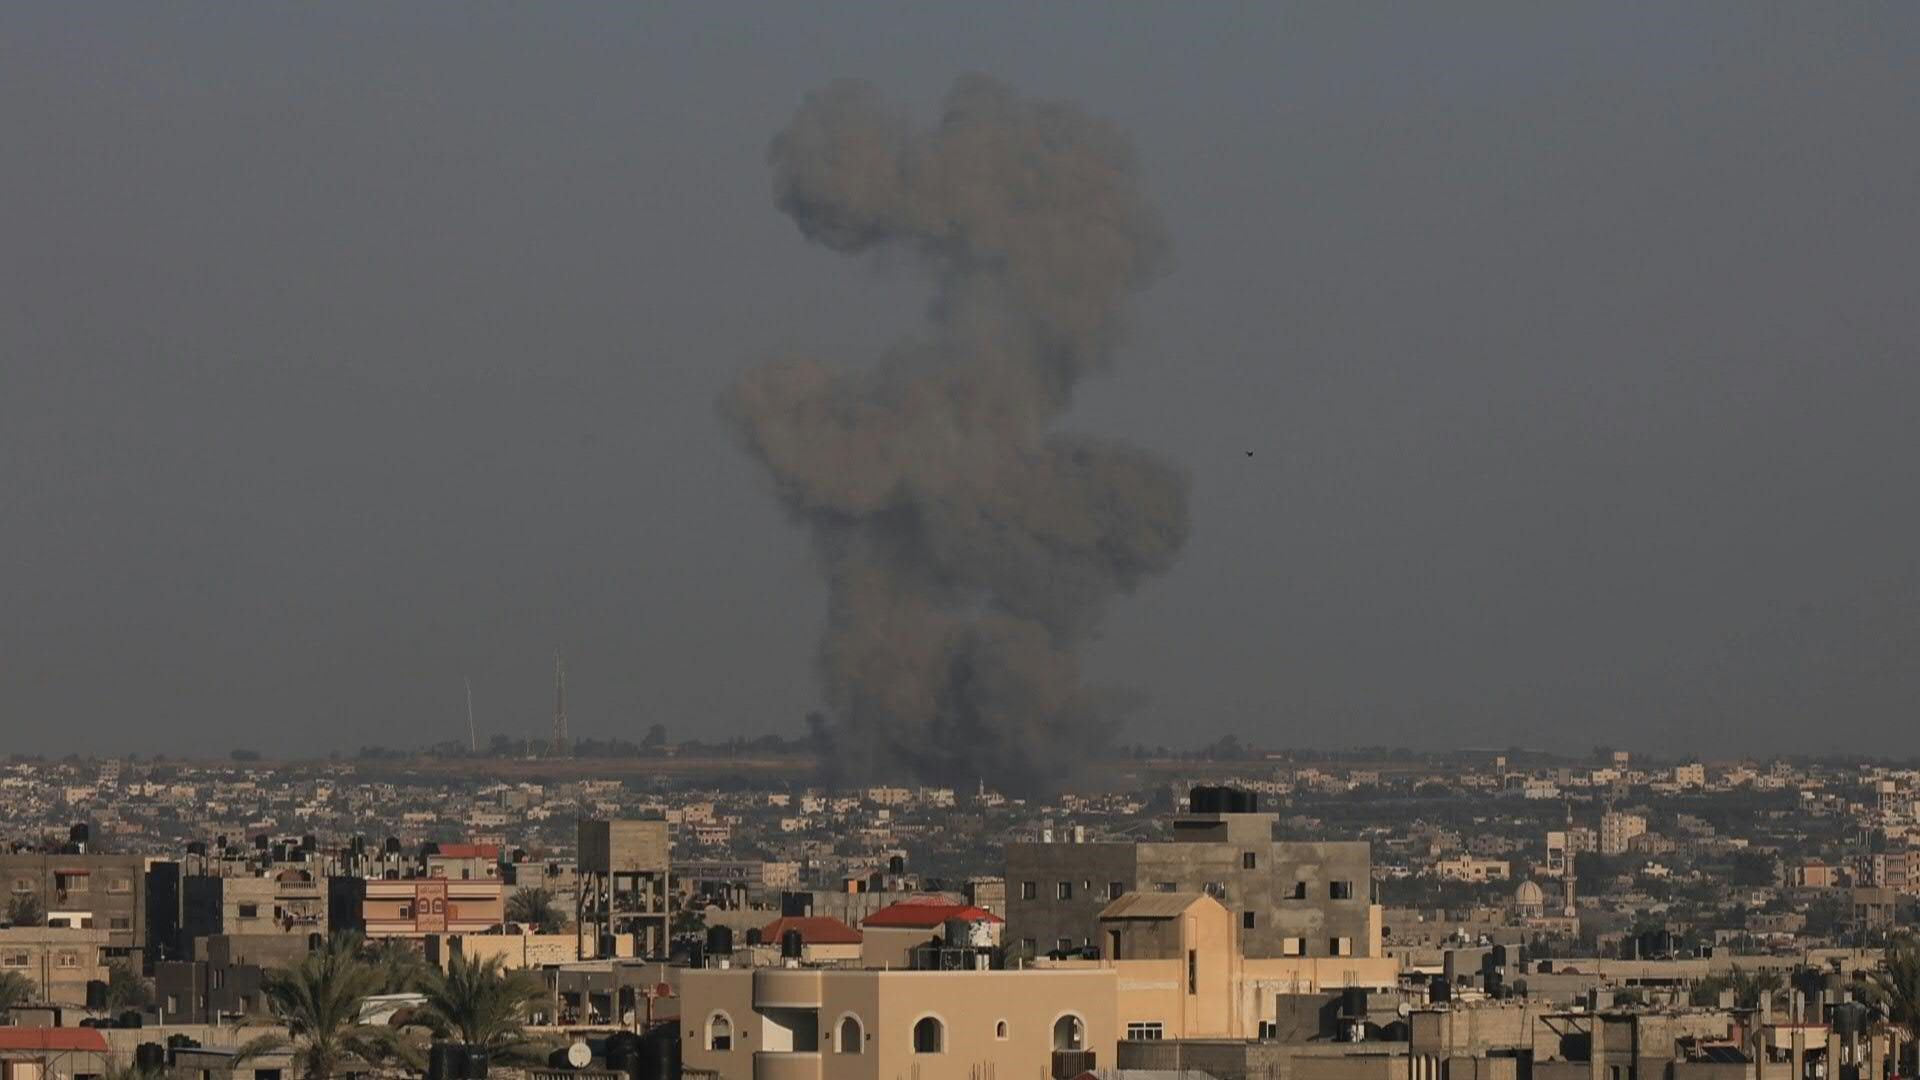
(349, 350)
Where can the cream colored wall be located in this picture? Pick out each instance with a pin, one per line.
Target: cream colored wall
(888, 1004)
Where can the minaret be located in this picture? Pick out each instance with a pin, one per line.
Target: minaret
(1568, 877)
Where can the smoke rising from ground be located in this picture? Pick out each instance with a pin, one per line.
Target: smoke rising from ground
(969, 550)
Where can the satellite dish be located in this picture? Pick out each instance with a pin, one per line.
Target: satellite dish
(579, 1054)
(1405, 1010)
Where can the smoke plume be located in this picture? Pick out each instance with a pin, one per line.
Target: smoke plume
(969, 550)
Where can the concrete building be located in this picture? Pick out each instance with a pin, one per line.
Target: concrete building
(1471, 869)
(1288, 898)
(59, 961)
(85, 891)
(415, 907)
(287, 903)
(624, 871)
(1616, 829)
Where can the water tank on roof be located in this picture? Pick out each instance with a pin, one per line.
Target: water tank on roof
(754, 936)
(897, 865)
(660, 1055)
(719, 940)
(792, 945)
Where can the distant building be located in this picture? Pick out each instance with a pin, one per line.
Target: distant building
(1288, 898)
(624, 867)
(1618, 828)
(86, 891)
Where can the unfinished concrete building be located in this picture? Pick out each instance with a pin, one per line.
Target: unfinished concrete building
(1289, 898)
(623, 887)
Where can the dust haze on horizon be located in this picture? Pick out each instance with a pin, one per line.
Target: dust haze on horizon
(1541, 378)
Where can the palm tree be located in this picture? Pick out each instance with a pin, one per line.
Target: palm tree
(482, 1003)
(1896, 986)
(125, 988)
(25, 909)
(1747, 986)
(15, 989)
(399, 965)
(318, 1000)
(535, 907)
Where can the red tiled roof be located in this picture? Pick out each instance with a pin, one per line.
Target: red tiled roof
(927, 912)
(814, 930)
(469, 851)
(52, 1040)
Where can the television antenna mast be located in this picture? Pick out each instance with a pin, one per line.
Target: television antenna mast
(560, 743)
(473, 740)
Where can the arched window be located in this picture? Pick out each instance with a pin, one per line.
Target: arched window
(1069, 1033)
(719, 1032)
(929, 1035)
(1000, 1030)
(852, 1039)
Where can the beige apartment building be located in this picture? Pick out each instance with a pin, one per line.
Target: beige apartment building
(58, 961)
(1171, 969)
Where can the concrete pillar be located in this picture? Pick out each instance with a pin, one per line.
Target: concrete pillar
(1597, 1050)
(1873, 1056)
(1797, 1050)
(1833, 1053)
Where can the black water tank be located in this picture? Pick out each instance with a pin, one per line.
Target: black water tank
(1499, 956)
(260, 842)
(1206, 799)
(478, 1061)
(719, 939)
(393, 845)
(1439, 991)
(446, 1061)
(897, 865)
(96, 994)
(792, 945)
(1246, 802)
(558, 1060)
(80, 834)
(623, 1053)
(149, 1057)
(660, 1055)
(796, 904)
(696, 955)
(1849, 1018)
(1353, 1002)
(754, 937)
(196, 847)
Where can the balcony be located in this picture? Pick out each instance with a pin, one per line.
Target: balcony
(786, 988)
(786, 1065)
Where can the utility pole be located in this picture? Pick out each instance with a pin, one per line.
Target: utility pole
(473, 740)
(560, 741)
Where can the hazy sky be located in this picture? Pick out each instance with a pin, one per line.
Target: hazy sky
(349, 350)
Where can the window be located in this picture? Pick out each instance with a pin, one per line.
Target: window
(119, 922)
(1293, 946)
(719, 1032)
(120, 884)
(1029, 890)
(1116, 889)
(1063, 890)
(249, 911)
(852, 1039)
(406, 911)
(1340, 946)
(1299, 891)
(1249, 861)
(1029, 946)
(1166, 886)
(1246, 920)
(1339, 890)
(68, 959)
(1069, 1033)
(22, 884)
(929, 1035)
(14, 960)
(1147, 1029)
(1193, 972)
(1113, 944)
(1065, 944)
(1000, 1030)
(1269, 1030)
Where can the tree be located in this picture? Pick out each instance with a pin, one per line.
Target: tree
(398, 967)
(1896, 986)
(655, 738)
(318, 1000)
(15, 989)
(534, 907)
(125, 988)
(24, 909)
(482, 1003)
(1747, 986)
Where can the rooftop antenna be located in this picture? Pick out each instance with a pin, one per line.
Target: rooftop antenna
(559, 748)
(473, 740)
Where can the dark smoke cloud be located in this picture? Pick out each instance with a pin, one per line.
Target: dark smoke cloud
(969, 551)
